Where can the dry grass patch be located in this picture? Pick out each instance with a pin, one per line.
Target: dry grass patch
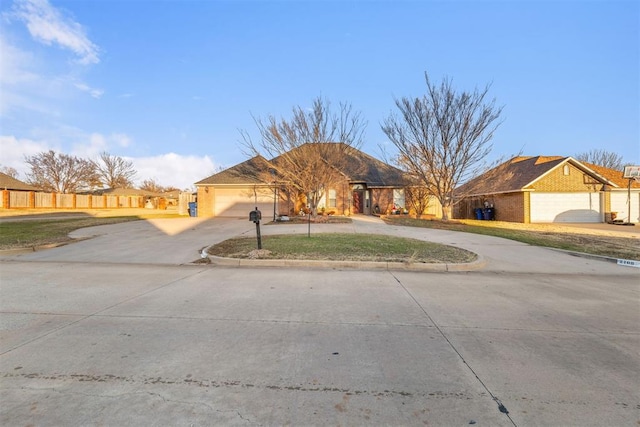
(593, 242)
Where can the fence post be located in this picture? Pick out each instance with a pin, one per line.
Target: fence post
(6, 199)
(32, 199)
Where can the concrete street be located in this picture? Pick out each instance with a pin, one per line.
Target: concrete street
(123, 329)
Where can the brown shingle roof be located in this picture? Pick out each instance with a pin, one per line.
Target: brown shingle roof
(359, 167)
(247, 172)
(512, 175)
(7, 182)
(519, 172)
(612, 175)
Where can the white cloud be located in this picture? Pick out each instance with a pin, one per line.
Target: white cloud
(173, 169)
(95, 93)
(90, 146)
(48, 25)
(169, 169)
(14, 151)
(121, 139)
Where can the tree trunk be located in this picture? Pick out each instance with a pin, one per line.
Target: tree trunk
(446, 211)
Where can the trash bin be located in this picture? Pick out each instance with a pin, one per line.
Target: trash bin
(478, 212)
(488, 214)
(193, 209)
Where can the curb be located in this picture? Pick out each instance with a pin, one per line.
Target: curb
(618, 261)
(347, 265)
(31, 249)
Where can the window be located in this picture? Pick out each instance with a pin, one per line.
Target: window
(565, 170)
(332, 198)
(398, 198)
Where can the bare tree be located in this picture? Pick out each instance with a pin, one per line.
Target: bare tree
(602, 158)
(8, 170)
(60, 173)
(114, 172)
(417, 198)
(307, 149)
(152, 186)
(443, 137)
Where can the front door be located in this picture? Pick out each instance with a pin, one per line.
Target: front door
(357, 203)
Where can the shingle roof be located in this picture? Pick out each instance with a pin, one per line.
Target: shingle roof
(612, 175)
(7, 182)
(247, 172)
(358, 167)
(361, 167)
(519, 172)
(512, 175)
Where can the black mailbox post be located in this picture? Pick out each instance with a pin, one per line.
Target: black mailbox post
(256, 216)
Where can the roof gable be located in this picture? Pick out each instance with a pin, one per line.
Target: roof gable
(247, 172)
(512, 175)
(613, 175)
(8, 182)
(522, 172)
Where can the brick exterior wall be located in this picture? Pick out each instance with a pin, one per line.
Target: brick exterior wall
(205, 200)
(557, 182)
(516, 207)
(508, 207)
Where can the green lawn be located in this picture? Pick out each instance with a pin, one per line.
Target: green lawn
(336, 246)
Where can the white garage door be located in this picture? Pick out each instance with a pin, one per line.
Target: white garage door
(566, 207)
(238, 202)
(620, 205)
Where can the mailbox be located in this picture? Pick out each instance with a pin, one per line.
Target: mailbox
(255, 215)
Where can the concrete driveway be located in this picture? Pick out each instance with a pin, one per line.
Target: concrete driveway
(121, 329)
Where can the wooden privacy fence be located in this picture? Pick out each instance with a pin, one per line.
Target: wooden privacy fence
(35, 200)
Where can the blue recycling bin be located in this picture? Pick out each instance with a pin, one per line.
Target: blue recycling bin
(193, 209)
(478, 212)
(489, 214)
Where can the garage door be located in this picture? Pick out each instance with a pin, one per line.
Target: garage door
(566, 207)
(620, 205)
(238, 202)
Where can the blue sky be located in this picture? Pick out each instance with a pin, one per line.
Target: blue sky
(168, 84)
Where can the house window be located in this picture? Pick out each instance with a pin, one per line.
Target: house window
(332, 198)
(398, 198)
(565, 170)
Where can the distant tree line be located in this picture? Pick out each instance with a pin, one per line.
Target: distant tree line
(62, 173)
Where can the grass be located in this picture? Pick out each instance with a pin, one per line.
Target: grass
(543, 235)
(341, 247)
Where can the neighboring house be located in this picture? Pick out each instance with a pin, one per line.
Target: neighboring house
(7, 182)
(15, 192)
(368, 186)
(549, 189)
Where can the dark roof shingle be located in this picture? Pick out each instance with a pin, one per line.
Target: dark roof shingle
(519, 172)
(357, 167)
